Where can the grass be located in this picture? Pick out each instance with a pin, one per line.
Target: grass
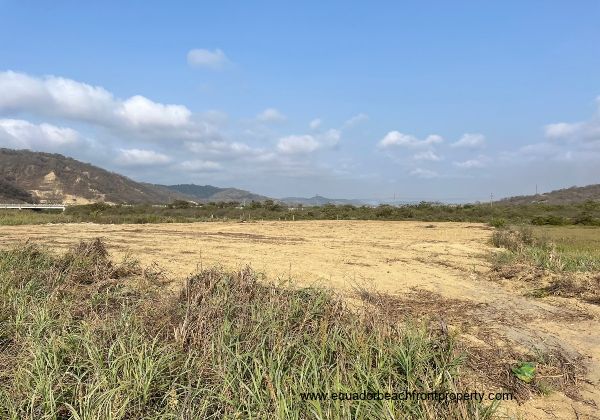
(567, 260)
(560, 249)
(571, 239)
(83, 337)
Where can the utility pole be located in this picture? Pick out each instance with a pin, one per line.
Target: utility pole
(536, 189)
(491, 199)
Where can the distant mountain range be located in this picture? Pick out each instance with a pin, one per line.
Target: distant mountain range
(318, 200)
(563, 196)
(27, 176)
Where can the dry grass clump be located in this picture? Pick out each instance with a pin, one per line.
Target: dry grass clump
(513, 239)
(228, 346)
(586, 288)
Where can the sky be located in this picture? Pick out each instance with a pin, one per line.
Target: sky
(412, 100)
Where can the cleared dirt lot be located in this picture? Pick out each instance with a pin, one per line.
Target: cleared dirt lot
(448, 259)
(390, 256)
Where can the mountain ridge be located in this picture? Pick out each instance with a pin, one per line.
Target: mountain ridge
(205, 193)
(319, 200)
(569, 195)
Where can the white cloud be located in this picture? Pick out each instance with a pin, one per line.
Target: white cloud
(581, 131)
(355, 120)
(55, 96)
(203, 58)
(142, 112)
(297, 144)
(314, 124)
(395, 138)
(561, 130)
(427, 155)
(424, 173)
(271, 115)
(23, 134)
(470, 140)
(200, 166)
(140, 157)
(331, 137)
(302, 144)
(64, 98)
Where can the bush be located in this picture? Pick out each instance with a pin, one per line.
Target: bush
(549, 220)
(498, 222)
(180, 204)
(587, 220)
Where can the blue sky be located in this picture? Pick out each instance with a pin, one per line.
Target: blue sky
(422, 100)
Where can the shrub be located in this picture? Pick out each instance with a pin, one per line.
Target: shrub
(498, 222)
(180, 204)
(549, 220)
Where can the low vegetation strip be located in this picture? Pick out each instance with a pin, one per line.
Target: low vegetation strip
(580, 214)
(84, 337)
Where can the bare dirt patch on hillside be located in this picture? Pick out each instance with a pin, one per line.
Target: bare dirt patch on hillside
(438, 271)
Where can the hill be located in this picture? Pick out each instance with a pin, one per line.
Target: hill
(10, 193)
(27, 176)
(54, 178)
(207, 193)
(563, 196)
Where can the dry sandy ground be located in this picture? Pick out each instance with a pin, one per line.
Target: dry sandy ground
(393, 257)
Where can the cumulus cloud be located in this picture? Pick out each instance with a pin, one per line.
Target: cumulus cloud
(307, 143)
(52, 96)
(140, 157)
(297, 144)
(395, 138)
(423, 173)
(355, 120)
(23, 134)
(581, 131)
(270, 115)
(470, 141)
(55, 96)
(203, 58)
(314, 124)
(139, 111)
(200, 166)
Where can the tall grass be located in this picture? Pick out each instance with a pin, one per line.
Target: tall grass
(82, 337)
